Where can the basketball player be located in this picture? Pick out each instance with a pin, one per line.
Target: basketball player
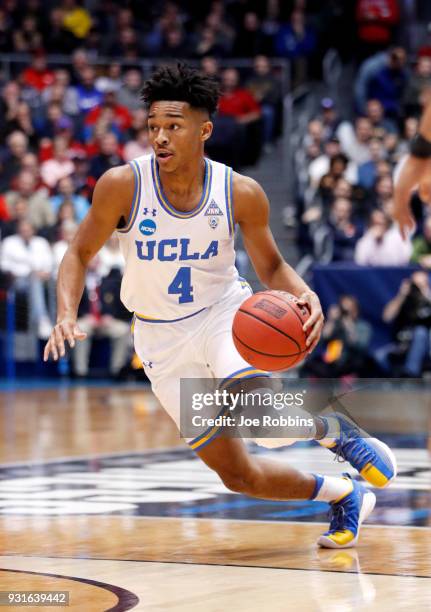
(415, 171)
(175, 213)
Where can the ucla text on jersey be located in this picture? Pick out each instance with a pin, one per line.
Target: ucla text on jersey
(177, 263)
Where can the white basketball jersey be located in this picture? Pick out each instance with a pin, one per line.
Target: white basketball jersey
(177, 263)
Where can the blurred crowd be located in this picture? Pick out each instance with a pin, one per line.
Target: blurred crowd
(346, 166)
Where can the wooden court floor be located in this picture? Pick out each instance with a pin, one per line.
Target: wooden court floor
(100, 498)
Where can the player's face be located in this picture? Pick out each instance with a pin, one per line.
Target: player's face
(177, 133)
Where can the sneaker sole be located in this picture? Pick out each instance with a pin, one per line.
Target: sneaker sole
(368, 503)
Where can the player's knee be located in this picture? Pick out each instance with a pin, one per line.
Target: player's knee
(241, 480)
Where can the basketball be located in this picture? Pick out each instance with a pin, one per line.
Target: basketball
(267, 330)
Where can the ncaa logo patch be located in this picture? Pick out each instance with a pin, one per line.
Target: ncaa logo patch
(147, 227)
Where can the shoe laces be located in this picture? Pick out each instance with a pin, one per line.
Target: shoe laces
(362, 453)
(336, 518)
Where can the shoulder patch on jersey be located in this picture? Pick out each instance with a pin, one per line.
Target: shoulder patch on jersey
(213, 210)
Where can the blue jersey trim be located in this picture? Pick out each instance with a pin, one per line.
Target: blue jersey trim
(136, 199)
(164, 202)
(228, 199)
(146, 319)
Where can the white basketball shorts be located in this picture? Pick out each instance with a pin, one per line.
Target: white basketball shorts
(199, 347)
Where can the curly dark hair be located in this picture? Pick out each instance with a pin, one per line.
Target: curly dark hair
(183, 84)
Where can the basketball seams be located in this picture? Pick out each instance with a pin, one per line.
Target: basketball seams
(270, 325)
(266, 354)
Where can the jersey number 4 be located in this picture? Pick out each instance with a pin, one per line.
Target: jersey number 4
(182, 284)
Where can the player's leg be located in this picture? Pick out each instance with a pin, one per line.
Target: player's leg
(264, 478)
(372, 458)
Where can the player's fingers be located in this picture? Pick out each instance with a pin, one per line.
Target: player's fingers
(67, 329)
(47, 350)
(51, 348)
(315, 332)
(59, 340)
(314, 316)
(78, 333)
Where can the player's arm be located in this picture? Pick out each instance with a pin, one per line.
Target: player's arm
(414, 171)
(112, 200)
(251, 209)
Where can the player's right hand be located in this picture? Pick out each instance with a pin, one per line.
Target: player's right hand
(65, 329)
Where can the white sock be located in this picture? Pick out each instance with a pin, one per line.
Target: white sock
(331, 488)
(333, 429)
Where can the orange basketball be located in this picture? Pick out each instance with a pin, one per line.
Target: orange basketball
(267, 330)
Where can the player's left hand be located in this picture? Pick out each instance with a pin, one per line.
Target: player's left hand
(314, 324)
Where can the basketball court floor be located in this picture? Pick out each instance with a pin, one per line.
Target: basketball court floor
(100, 498)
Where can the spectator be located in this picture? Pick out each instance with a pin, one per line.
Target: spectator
(111, 81)
(337, 170)
(207, 44)
(28, 259)
(88, 96)
(296, 41)
(387, 84)
(420, 80)
(383, 192)
(126, 45)
(367, 172)
(19, 213)
(59, 166)
(76, 19)
(66, 233)
(66, 193)
(355, 142)
(65, 216)
(250, 39)
(119, 115)
(38, 75)
(27, 38)
(382, 244)
(17, 148)
(344, 231)
(329, 118)
(56, 38)
(61, 92)
(421, 253)
(102, 313)
(322, 164)
(210, 67)
(22, 122)
(40, 213)
(410, 313)
(236, 101)
(239, 103)
(379, 123)
(128, 94)
(346, 340)
(109, 156)
(137, 147)
(10, 98)
(267, 91)
(376, 20)
(368, 70)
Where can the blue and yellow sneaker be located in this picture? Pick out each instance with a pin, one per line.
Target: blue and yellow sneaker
(373, 459)
(347, 515)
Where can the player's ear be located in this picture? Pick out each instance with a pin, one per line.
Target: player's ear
(206, 130)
